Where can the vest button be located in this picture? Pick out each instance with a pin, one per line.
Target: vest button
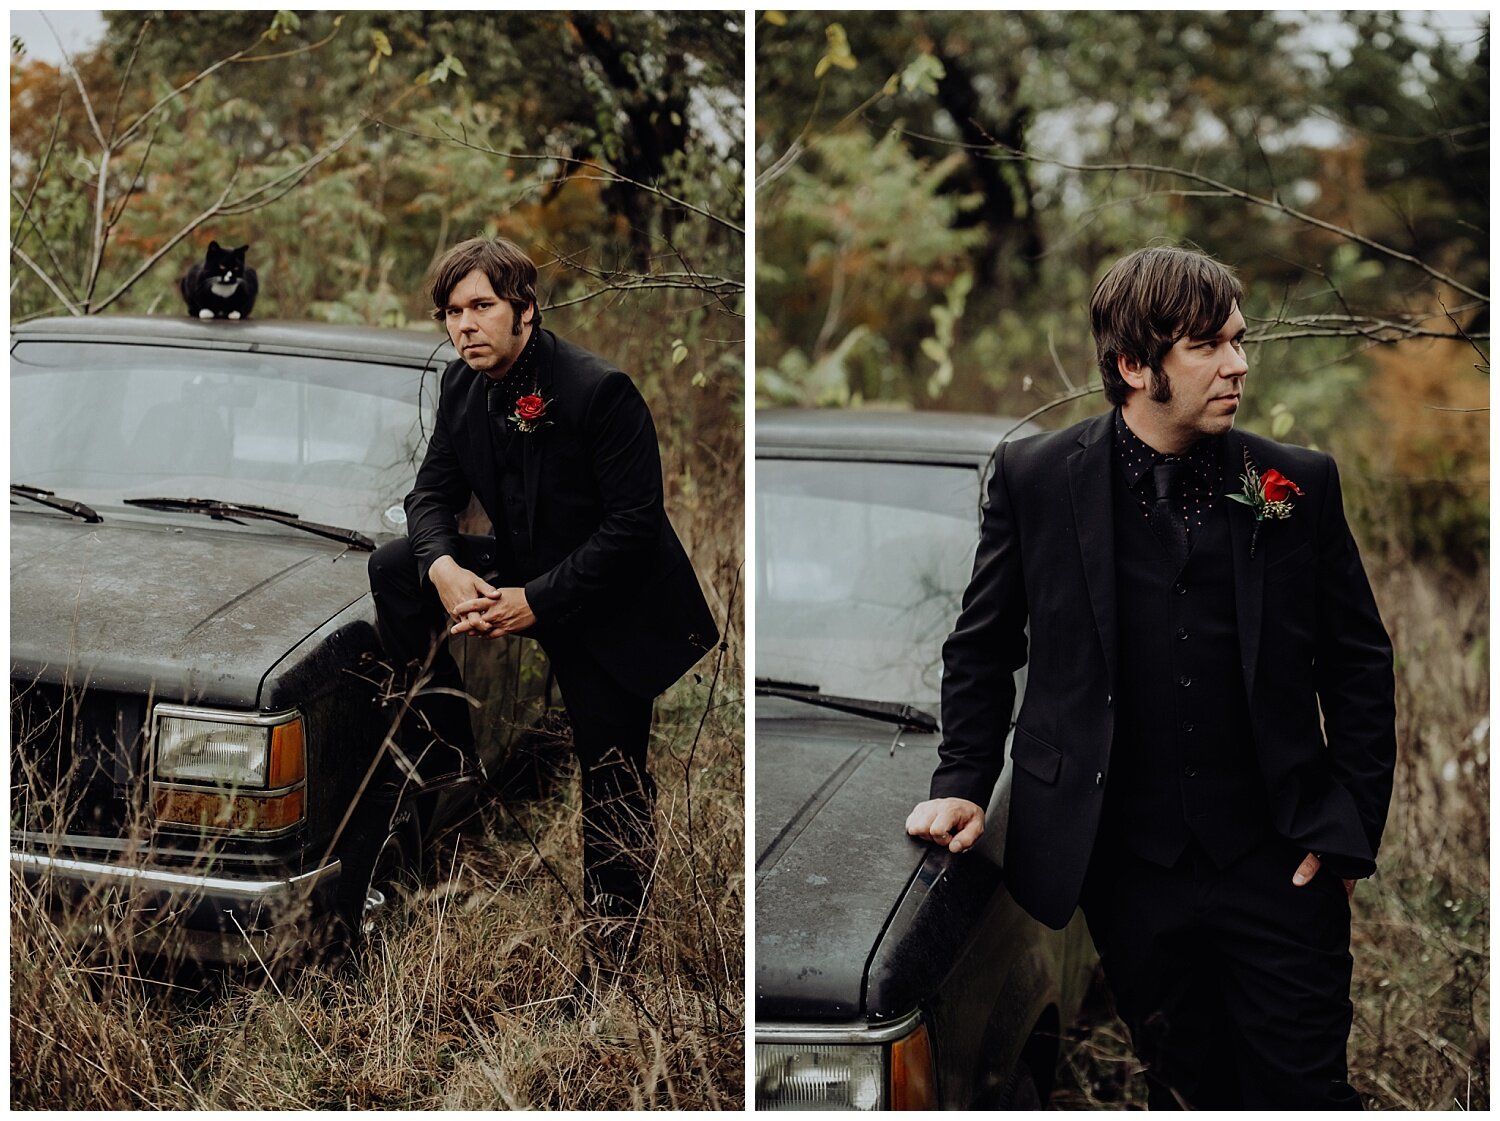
(1187, 726)
(1188, 772)
(1099, 779)
(1180, 588)
(1184, 681)
(1181, 633)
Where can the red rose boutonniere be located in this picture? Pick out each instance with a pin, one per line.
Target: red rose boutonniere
(1269, 495)
(531, 413)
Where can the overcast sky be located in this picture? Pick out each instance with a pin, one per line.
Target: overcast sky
(78, 31)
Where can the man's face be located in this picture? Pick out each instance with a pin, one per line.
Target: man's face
(1195, 393)
(482, 325)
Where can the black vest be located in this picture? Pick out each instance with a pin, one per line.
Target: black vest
(1183, 761)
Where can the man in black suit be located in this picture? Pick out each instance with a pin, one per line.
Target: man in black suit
(560, 449)
(1207, 738)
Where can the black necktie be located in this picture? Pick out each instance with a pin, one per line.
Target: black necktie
(498, 404)
(1166, 519)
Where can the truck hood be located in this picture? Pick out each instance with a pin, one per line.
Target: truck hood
(157, 604)
(831, 800)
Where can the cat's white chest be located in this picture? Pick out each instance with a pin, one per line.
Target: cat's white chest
(219, 288)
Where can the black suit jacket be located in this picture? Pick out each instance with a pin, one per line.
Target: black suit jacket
(612, 571)
(1310, 640)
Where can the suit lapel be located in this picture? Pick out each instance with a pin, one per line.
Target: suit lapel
(1093, 518)
(1249, 572)
(535, 442)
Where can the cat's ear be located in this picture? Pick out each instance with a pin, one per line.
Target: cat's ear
(213, 247)
(241, 250)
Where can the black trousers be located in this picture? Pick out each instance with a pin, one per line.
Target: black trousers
(611, 729)
(1233, 982)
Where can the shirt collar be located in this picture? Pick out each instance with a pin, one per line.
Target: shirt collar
(519, 373)
(1136, 457)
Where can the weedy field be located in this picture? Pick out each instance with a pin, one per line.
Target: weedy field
(462, 1001)
(1421, 1032)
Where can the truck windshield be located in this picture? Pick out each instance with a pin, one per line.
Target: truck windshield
(332, 440)
(859, 573)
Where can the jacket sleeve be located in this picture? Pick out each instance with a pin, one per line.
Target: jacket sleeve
(1355, 679)
(980, 657)
(439, 495)
(626, 465)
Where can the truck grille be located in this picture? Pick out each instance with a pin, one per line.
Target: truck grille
(77, 760)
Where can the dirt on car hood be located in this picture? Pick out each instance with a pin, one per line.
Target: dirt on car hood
(834, 860)
(189, 613)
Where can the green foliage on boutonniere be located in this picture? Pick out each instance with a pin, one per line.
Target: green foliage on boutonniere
(1268, 494)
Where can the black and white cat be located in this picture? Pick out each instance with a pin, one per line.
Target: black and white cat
(222, 287)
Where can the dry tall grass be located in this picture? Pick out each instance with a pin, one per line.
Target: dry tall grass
(1421, 926)
(458, 1005)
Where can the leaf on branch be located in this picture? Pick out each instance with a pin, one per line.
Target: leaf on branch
(679, 352)
(838, 51)
(382, 48)
(923, 74)
(775, 18)
(283, 23)
(700, 379)
(440, 72)
(1281, 420)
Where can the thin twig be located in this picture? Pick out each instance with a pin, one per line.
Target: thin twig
(170, 244)
(609, 174)
(73, 309)
(1244, 196)
(1049, 406)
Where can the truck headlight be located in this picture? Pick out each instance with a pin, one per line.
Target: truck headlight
(819, 1076)
(891, 1071)
(252, 764)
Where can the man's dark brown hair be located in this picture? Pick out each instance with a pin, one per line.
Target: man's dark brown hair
(1151, 299)
(511, 273)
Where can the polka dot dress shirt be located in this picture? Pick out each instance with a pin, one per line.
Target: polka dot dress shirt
(1204, 473)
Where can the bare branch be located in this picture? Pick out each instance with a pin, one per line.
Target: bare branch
(1075, 395)
(278, 187)
(606, 174)
(88, 108)
(73, 309)
(36, 182)
(124, 199)
(171, 244)
(114, 115)
(1246, 196)
(88, 105)
(201, 76)
(1057, 363)
(638, 286)
(613, 280)
(100, 191)
(46, 245)
(1485, 358)
(304, 49)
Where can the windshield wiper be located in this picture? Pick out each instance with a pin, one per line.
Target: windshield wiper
(889, 711)
(47, 498)
(232, 510)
